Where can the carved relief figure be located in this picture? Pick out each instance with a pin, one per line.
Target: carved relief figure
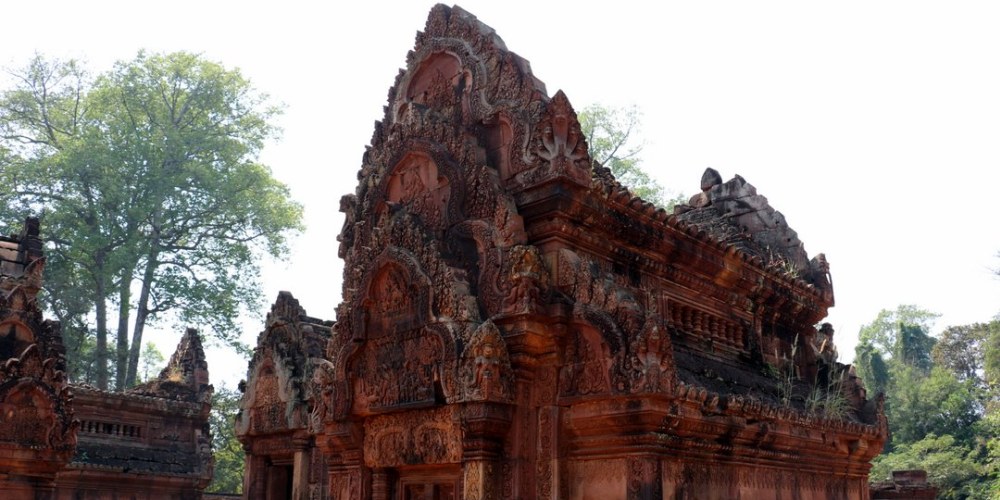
(528, 277)
(586, 369)
(417, 437)
(486, 372)
(416, 183)
(560, 143)
(268, 411)
(395, 370)
(651, 363)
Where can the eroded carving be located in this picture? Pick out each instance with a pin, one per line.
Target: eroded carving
(417, 437)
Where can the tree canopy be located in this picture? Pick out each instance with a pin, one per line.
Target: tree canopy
(153, 200)
(940, 399)
(613, 141)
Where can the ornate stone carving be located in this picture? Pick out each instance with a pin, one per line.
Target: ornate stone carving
(417, 437)
(486, 373)
(397, 370)
(651, 365)
(482, 246)
(559, 144)
(586, 369)
(527, 281)
(416, 183)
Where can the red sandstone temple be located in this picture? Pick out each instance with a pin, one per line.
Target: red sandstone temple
(516, 324)
(63, 441)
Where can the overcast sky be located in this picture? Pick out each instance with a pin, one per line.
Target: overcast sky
(874, 127)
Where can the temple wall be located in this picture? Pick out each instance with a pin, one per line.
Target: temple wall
(610, 478)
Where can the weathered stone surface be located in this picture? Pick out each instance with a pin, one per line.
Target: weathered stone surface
(38, 431)
(63, 441)
(283, 404)
(516, 324)
(150, 441)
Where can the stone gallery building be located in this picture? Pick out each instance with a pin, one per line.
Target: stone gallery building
(517, 324)
(64, 441)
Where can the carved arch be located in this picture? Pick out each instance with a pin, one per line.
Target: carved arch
(499, 143)
(15, 337)
(457, 62)
(395, 275)
(484, 267)
(28, 413)
(439, 80)
(272, 402)
(604, 324)
(19, 300)
(423, 177)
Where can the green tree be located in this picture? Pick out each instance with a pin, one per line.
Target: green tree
(148, 181)
(913, 346)
(964, 350)
(871, 367)
(150, 362)
(950, 466)
(227, 450)
(612, 138)
(937, 403)
(882, 332)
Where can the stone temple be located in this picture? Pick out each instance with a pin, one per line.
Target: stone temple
(75, 442)
(516, 324)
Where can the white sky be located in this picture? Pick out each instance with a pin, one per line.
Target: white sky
(873, 126)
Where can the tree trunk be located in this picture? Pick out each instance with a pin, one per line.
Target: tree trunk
(142, 312)
(101, 352)
(124, 295)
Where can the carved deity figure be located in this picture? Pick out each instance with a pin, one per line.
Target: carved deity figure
(486, 371)
(651, 364)
(528, 276)
(416, 183)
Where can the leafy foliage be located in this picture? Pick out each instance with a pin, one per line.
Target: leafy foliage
(937, 404)
(153, 201)
(950, 465)
(229, 457)
(939, 399)
(882, 332)
(612, 139)
(151, 362)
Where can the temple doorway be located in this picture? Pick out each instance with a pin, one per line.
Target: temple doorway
(427, 484)
(279, 480)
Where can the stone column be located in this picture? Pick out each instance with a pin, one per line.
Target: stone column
(480, 479)
(254, 476)
(300, 469)
(380, 484)
(644, 478)
(486, 425)
(547, 457)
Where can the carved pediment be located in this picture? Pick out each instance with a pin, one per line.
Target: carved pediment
(274, 400)
(417, 184)
(558, 146)
(398, 299)
(34, 403)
